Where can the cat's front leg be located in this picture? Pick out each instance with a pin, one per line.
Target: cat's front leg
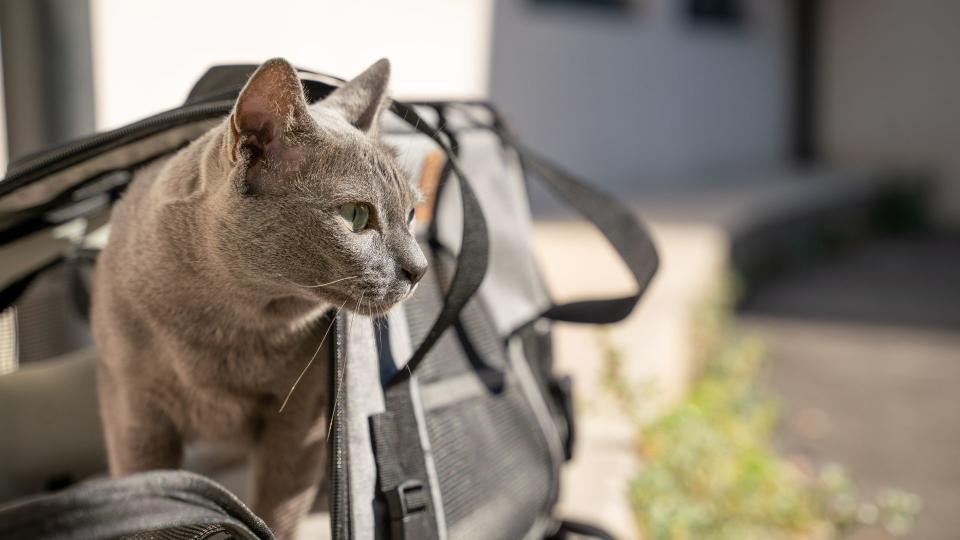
(139, 435)
(287, 467)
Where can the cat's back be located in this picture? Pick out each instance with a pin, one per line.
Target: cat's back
(138, 217)
(153, 212)
(137, 257)
(120, 263)
(134, 201)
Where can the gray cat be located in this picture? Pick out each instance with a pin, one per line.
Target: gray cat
(209, 298)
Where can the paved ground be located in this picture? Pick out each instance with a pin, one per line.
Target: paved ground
(865, 354)
(654, 341)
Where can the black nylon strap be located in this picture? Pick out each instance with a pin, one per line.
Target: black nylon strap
(401, 468)
(471, 261)
(618, 224)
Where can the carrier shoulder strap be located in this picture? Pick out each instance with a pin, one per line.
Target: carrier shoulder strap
(615, 221)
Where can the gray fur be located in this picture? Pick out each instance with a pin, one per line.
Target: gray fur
(205, 303)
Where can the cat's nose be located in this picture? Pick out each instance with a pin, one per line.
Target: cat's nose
(415, 271)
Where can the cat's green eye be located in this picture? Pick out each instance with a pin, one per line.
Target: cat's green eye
(355, 215)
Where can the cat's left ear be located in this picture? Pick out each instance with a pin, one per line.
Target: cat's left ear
(362, 99)
(270, 107)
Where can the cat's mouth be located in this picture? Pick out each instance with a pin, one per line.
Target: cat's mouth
(370, 301)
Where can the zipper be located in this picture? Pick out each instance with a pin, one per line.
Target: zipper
(23, 170)
(339, 475)
(215, 532)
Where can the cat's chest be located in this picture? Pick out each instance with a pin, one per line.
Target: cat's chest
(258, 363)
(234, 389)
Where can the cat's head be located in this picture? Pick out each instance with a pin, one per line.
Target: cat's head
(316, 205)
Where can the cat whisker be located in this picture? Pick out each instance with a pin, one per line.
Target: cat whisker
(378, 322)
(336, 397)
(312, 358)
(356, 311)
(319, 285)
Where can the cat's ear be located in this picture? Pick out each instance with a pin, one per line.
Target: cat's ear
(270, 106)
(362, 99)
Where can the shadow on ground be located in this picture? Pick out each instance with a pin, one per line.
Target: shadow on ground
(864, 351)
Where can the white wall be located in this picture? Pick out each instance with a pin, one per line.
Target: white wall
(646, 97)
(147, 54)
(891, 88)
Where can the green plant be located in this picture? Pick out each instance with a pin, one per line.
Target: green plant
(710, 471)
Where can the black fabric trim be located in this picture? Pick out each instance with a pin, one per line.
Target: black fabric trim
(340, 523)
(121, 507)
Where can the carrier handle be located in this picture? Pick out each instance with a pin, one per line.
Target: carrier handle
(621, 227)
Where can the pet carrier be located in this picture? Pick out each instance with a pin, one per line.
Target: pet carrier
(450, 422)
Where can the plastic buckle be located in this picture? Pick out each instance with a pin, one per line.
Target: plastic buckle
(407, 498)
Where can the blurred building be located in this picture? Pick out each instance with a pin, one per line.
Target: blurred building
(889, 81)
(648, 92)
(634, 93)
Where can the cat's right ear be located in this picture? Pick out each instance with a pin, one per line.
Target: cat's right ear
(270, 108)
(361, 99)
